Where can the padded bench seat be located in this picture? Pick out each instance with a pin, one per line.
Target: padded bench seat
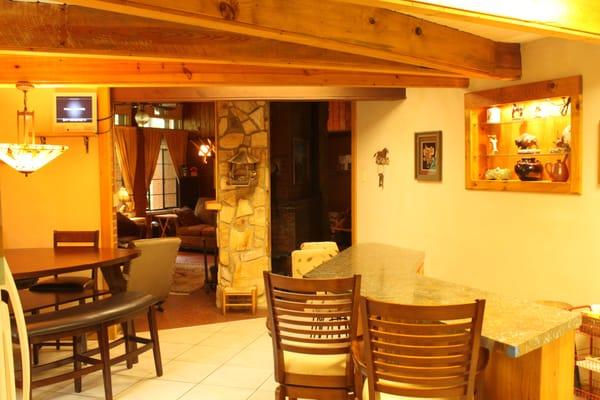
(77, 321)
(115, 308)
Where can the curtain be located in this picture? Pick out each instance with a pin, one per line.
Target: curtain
(177, 143)
(126, 140)
(152, 138)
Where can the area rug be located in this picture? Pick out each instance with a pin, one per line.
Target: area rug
(187, 278)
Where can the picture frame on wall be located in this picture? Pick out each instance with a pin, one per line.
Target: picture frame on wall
(428, 156)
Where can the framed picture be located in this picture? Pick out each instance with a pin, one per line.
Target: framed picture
(300, 161)
(428, 156)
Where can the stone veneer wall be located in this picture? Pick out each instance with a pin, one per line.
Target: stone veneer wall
(243, 225)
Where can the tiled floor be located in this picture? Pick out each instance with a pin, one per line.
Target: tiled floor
(224, 361)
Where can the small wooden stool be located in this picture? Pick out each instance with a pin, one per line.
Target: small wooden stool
(248, 295)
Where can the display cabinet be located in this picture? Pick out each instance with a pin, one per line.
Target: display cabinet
(525, 137)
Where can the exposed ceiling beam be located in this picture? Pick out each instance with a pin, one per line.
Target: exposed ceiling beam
(569, 19)
(351, 28)
(73, 71)
(296, 93)
(38, 28)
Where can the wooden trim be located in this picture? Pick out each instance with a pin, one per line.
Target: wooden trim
(352, 28)
(354, 173)
(570, 19)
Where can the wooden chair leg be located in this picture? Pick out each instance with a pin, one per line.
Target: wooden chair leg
(155, 344)
(104, 347)
(76, 363)
(126, 336)
(133, 344)
(279, 393)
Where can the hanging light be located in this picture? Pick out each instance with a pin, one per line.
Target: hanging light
(27, 156)
(141, 116)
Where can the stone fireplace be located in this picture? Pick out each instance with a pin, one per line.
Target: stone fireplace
(243, 224)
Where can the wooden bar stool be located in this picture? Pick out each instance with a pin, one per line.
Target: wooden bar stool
(234, 297)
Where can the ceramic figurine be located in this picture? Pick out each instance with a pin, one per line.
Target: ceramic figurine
(493, 139)
(498, 174)
(527, 143)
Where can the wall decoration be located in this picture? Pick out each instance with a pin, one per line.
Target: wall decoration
(381, 159)
(428, 156)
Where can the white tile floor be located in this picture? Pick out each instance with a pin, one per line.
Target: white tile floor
(226, 361)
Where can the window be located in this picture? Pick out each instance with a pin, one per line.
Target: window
(163, 188)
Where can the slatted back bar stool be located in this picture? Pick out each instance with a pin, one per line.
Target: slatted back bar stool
(416, 352)
(312, 323)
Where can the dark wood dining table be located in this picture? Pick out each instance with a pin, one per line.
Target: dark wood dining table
(30, 263)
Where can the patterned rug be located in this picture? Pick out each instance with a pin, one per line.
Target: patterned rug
(187, 278)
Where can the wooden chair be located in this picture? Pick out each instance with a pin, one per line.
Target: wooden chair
(415, 352)
(312, 323)
(70, 282)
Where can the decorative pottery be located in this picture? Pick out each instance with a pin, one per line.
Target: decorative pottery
(558, 171)
(529, 169)
(498, 174)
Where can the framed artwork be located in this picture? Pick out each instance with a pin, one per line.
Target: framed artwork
(428, 156)
(300, 161)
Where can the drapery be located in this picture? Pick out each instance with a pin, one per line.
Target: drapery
(177, 143)
(152, 139)
(126, 140)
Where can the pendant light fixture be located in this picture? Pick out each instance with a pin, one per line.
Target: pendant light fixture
(141, 116)
(26, 156)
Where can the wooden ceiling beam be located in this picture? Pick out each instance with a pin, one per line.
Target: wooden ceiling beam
(351, 28)
(44, 29)
(293, 93)
(73, 71)
(568, 19)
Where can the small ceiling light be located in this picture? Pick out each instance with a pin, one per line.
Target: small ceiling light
(27, 156)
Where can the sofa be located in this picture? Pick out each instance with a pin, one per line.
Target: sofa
(197, 228)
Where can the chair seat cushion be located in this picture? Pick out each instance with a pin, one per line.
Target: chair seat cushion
(88, 314)
(312, 364)
(63, 284)
(387, 396)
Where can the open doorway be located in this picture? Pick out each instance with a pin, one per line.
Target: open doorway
(310, 176)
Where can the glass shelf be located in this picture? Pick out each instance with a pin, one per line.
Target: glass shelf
(528, 155)
(520, 121)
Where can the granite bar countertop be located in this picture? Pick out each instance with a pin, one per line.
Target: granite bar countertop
(511, 325)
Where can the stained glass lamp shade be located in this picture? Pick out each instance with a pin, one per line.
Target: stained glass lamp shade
(27, 156)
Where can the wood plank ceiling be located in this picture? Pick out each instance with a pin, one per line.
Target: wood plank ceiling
(344, 43)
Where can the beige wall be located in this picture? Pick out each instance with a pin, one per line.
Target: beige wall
(64, 194)
(523, 244)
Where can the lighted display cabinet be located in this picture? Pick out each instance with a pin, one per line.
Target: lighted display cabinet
(525, 137)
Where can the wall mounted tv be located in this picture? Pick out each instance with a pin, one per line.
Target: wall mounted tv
(75, 112)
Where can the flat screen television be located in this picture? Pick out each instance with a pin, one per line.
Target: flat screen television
(75, 112)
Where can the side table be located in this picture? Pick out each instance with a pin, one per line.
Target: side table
(163, 221)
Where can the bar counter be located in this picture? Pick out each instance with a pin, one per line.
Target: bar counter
(532, 345)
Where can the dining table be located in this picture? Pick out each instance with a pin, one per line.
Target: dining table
(32, 263)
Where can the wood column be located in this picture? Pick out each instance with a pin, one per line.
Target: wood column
(108, 234)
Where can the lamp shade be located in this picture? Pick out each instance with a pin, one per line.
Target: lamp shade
(123, 194)
(27, 158)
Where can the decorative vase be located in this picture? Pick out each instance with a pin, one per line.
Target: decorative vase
(558, 171)
(529, 169)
